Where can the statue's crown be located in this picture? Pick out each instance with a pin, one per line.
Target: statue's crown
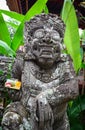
(50, 20)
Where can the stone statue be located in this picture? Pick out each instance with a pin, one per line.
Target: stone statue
(47, 77)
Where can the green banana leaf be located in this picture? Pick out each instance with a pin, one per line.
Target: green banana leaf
(71, 39)
(46, 9)
(5, 49)
(4, 33)
(13, 15)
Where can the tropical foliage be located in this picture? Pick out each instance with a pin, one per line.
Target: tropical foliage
(72, 39)
(76, 112)
(11, 45)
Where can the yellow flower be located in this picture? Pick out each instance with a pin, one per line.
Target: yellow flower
(18, 84)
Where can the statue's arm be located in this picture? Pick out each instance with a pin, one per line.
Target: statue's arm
(63, 93)
(55, 96)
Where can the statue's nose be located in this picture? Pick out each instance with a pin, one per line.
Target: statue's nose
(47, 38)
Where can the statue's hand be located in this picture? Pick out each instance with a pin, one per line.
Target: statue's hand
(44, 111)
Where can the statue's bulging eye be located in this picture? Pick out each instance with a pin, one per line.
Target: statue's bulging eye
(39, 33)
(55, 35)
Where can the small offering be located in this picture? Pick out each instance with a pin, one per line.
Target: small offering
(13, 84)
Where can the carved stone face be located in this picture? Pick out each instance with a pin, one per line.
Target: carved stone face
(43, 36)
(46, 46)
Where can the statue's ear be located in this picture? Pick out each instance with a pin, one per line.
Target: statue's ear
(28, 53)
(29, 56)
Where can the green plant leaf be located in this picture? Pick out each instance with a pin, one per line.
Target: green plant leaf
(46, 9)
(5, 49)
(75, 113)
(1, 71)
(78, 106)
(13, 25)
(71, 38)
(13, 15)
(83, 65)
(4, 33)
(37, 8)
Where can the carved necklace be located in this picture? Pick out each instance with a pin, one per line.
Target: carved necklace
(43, 75)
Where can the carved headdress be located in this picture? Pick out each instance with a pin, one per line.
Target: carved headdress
(39, 21)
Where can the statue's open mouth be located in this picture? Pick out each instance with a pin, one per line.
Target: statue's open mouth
(46, 53)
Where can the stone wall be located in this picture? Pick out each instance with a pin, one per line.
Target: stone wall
(5, 72)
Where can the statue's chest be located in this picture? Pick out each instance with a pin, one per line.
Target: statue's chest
(37, 81)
